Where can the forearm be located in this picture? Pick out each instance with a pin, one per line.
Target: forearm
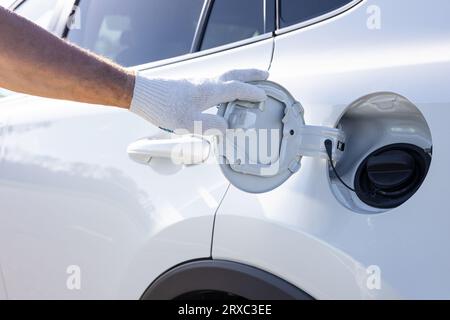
(35, 62)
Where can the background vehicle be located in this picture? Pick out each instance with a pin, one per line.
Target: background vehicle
(71, 195)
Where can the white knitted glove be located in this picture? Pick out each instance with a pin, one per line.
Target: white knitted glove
(176, 104)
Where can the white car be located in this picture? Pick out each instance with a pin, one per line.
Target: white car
(86, 214)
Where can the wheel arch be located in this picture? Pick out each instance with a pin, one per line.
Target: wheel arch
(224, 276)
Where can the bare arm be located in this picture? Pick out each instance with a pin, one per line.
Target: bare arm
(35, 62)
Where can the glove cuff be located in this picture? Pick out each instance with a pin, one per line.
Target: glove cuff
(149, 99)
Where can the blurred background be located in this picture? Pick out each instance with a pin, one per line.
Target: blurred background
(6, 3)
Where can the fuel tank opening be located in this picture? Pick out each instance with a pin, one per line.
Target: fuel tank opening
(387, 156)
(391, 175)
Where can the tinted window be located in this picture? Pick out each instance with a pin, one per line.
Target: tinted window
(134, 32)
(235, 20)
(296, 11)
(40, 12)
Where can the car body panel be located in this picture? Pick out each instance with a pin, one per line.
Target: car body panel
(71, 196)
(3, 295)
(251, 53)
(300, 231)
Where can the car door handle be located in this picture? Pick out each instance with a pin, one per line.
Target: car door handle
(187, 150)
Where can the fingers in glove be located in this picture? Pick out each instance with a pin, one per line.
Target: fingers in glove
(236, 90)
(212, 124)
(245, 75)
(203, 124)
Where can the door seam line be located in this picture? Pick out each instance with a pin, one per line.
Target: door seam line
(214, 220)
(273, 52)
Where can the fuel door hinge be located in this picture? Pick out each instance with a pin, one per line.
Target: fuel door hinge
(312, 142)
(307, 141)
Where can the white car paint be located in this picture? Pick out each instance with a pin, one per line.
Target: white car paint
(6, 3)
(300, 231)
(70, 194)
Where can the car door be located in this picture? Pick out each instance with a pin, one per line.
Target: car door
(73, 199)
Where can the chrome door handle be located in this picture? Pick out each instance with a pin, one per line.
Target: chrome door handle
(186, 150)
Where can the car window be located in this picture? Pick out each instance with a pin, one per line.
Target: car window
(135, 32)
(296, 11)
(235, 20)
(40, 12)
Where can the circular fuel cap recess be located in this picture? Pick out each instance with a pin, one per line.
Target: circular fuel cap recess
(261, 150)
(391, 175)
(391, 169)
